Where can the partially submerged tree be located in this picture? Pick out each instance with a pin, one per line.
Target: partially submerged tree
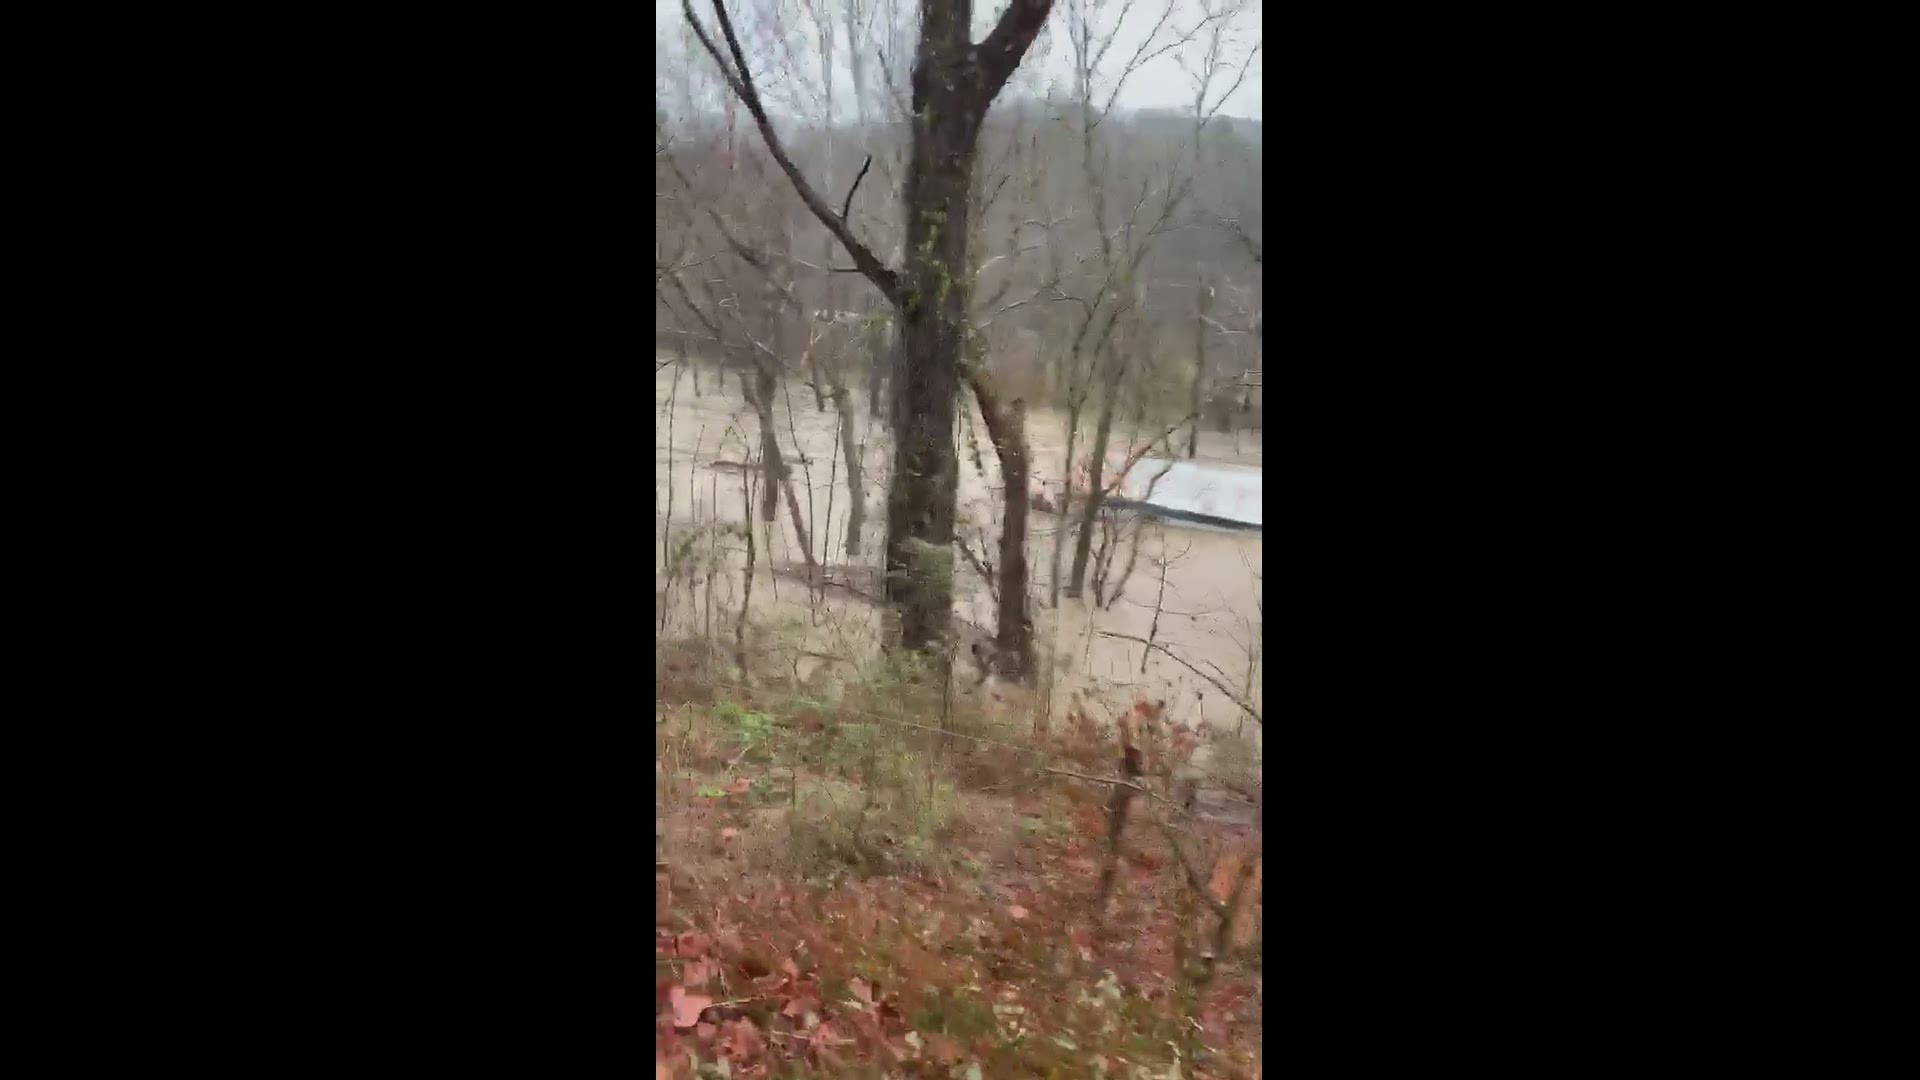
(1203, 301)
(1007, 428)
(753, 318)
(954, 82)
(1123, 250)
(1091, 360)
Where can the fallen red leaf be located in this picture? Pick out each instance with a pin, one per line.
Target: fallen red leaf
(687, 1007)
(743, 1039)
(693, 945)
(864, 1022)
(943, 1048)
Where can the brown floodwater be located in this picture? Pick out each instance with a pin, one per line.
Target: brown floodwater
(1209, 605)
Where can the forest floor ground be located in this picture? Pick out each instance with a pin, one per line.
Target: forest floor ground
(843, 894)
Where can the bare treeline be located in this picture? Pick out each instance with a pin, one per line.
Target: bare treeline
(918, 210)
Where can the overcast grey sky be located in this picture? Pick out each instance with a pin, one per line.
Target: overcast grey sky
(1159, 83)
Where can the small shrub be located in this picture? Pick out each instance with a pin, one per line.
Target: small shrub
(752, 732)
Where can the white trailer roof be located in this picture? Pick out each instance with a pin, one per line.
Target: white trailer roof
(1227, 492)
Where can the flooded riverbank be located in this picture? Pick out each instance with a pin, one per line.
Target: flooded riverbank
(1208, 601)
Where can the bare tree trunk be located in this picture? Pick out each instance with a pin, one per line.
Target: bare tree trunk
(1133, 557)
(920, 500)
(1159, 601)
(823, 381)
(799, 531)
(746, 579)
(666, 524)
(880, 349)
(1066, 506)
(1097, 459)
(1007, 429)
(761, 398)
(1112, 531)
(1132, 767)
(817, 381)
(933, 318)
(777, 478)
(1199, 362)
(954, 82)
(856, 487)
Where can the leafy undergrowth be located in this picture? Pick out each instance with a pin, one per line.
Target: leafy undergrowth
(847, 892)
(1012, 970)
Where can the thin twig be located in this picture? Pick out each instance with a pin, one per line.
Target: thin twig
(1193, 876)
(848, 204)
(1222, 687)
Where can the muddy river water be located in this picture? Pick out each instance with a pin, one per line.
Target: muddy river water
(1209, 611)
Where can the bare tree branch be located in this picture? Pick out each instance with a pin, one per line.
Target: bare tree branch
(981, 567)
(741, 81)
(1000, 53)
(848, 204)
(1222, 687)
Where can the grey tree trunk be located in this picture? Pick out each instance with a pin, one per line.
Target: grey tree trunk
(1066, 506)
(1007, 429)
(775, 467)
(954, 83)
(920, 499)
(1205, 302)
(1096, 467)
(856, 485)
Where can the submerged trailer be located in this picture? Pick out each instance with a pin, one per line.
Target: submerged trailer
(1202, 492)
